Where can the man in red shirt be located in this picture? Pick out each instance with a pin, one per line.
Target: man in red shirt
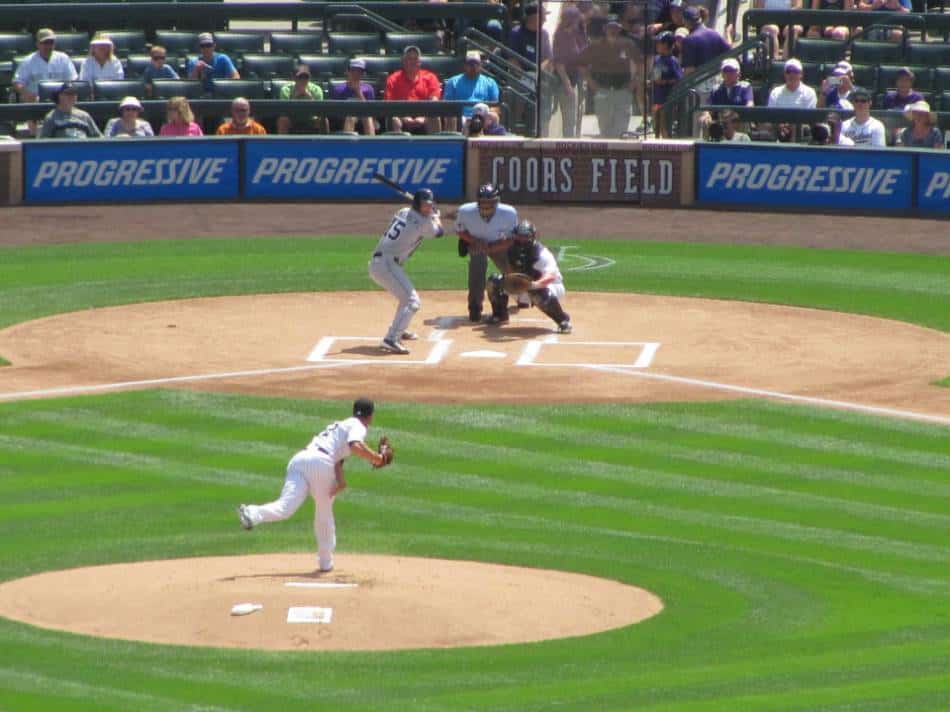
(413, 83)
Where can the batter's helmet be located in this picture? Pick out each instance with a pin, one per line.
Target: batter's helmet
(526, 230)
(423, 195)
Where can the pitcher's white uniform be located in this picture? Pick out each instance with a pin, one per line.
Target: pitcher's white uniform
(406, 232)
(312, 471)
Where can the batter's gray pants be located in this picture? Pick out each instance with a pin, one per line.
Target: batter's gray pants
(392, 277)
(477, 264)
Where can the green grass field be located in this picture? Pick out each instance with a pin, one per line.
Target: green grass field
(803, 555)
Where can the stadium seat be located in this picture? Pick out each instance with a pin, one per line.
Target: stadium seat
(324, 66)
(815, 50)
(941, 79)
(350, 43)
(865, 75)
(248, 88)
(48, 86)
(395, 42)
(167, 88)
(13, 45)
(239, 43)
(115, 89)
(135, 64)
(177, 42)
(887, 77)
(443, 65)
(127, 41)
(380, 66)
(296, 43)
(75, 44)
(867, 52)
(944, 104)
(931, 54)
(267, 66)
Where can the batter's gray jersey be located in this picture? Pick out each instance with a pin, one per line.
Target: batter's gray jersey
(502, 223)
(405, 233)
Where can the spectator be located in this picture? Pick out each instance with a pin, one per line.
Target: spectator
(302, 89)
(894, 6)
(524, 40)
(179, 119)
(210, 65)
(702, 45)
(922, 133)
(44, 63)
(839, 32)
(679, 37)
(128, 124)
(355, 89)
(820, 135)
(475, 127)
(905, 93)
(241, 123)
(609, 66)
(730, 125)
(732, 91)
(413, 83)
(157, 68)
(794, 93)
(836, 89)
(101, 62)
(775, 33)
(470, 85)
(66, 121)
(666, 72)
(670, 18)
(569, 42)
(862, 128)
(837, 138)
(490, 123)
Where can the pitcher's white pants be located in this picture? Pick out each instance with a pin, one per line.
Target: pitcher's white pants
(392, 277)
(309, 471)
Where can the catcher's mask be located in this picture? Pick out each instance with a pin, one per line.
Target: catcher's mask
(421, 197)
(488, 198)
(525, 232)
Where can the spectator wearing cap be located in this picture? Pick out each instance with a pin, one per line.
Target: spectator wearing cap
(413, 83)
(703, 44)
(836, 89)
(609, 66)
(569, 41)
(666, 72)
(470, 85)
(101, 64)
(128, 124)
(780, 36)
(158, 68)
(210, 65)
(301, 89)
(732, 91)
(180, 121)
(904, 94)
(355, 89)
(66, 121)
(491, 125)
(923, 132)
(524, 42)
(863, 128)
(45, 63)
(241, 123)
(794, 93)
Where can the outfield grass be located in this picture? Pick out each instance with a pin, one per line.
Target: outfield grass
(945, 382)
(802, 555)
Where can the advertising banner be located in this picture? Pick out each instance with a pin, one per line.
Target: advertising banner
(933, 182)
(832, 178)
(343, 168)
(117, 171)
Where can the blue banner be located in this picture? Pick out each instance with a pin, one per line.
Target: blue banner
(835, 178)
(933, 182)
(116, 171)
(344, 168)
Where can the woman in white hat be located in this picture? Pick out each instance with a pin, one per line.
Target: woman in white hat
(101, 62)
(922, 133)
(128, 124)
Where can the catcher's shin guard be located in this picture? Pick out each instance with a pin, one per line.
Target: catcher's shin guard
(551, 306)
(497, 297)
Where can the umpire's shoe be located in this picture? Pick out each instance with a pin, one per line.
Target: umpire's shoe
(393, 347)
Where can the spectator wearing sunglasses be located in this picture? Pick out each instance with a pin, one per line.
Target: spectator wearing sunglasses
(158, 68)
(129, 124)
(44, 63)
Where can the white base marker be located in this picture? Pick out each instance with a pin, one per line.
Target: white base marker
(309, 614)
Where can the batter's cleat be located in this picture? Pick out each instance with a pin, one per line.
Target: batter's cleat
(565, 327)
(410, 336)
(393, 347)
(244, 517)
(325, 570)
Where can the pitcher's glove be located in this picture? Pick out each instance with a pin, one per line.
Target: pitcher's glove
(387, 452)
(517, 283)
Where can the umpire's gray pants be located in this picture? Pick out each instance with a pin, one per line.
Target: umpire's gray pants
(392, 277)
(477, 264)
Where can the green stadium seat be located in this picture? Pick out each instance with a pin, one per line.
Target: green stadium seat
(941, 79)
(816, 50)
(350, 43)
(135, 64)
(239, 43)
(931, 54)
(380, 66)
(116, 89)
(75, 44)
(13, 45)
(944, 102)
(267, 66)
(865, 75)
(48, 86)
(248, 88)
(167, 88)
(443, 65)
(296, 43)
(177, 42)
(868, 52)
(127, 41)
(395, 42)
(325, 66)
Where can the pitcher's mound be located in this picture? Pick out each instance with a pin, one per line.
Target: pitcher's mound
(366, 603)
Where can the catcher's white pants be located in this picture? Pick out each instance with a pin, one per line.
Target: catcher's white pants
(392, 277)
(309, 472)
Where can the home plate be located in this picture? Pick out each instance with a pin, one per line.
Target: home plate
(309, 614)
(483, 354)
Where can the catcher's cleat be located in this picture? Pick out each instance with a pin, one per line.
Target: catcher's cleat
(497, 319)
(244, 517)
(410, 336)
(474, 316)
(565, 327)
(393, 347)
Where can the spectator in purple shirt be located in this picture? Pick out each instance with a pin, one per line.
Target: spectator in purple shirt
(702, 45)
(732, 91)
(905, 94)
(666, 72)
(355, 89)
(835, 90)
(524, 40)
(569, 42)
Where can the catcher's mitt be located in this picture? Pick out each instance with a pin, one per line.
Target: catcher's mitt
(386, 450)
(517, 283)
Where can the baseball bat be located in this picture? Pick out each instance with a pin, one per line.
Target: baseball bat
(394, 185)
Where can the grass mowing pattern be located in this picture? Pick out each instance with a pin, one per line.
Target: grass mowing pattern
(802, 555)
(945, 382)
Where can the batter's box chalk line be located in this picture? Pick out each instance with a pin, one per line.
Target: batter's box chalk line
(319, 353)
(532, 350)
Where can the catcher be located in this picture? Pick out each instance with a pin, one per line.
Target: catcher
(317, 470)
(534, 272)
